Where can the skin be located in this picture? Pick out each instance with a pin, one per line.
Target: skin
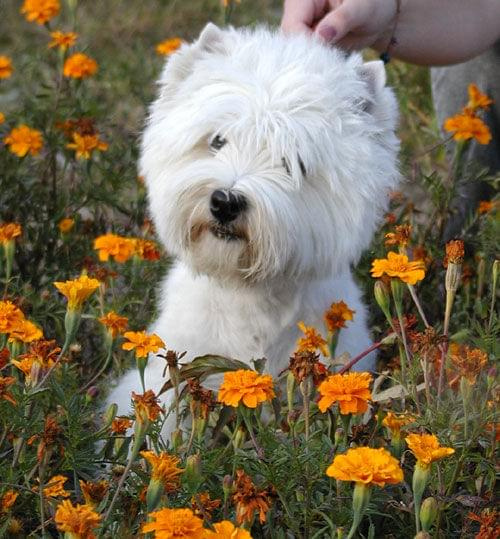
(428, 32)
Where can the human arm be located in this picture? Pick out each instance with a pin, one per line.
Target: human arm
(428, 32)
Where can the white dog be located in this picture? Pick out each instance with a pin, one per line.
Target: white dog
(268, 160)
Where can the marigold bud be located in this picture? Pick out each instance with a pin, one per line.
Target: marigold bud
(428, 513)
(382, 297)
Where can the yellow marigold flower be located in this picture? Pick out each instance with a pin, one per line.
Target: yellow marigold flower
(477, 100)
(63, 40)
(168, 46)
(466, 362)
(164, 468)
(142, 343)
(115, 323)
(465, 127)
(227, 530)
(398, 265)
(77, 290)
(427, 449)
(9, 231)
(23, 139)
(10, 316)
(366, 465)
(146, 249)
(40, 11)
(84, 145)
(65, 225)
(311, 341)
(119, 425)
(337, 315)
(120, 248)
(79, 66)
(80, 520)
(8, 500)
(94, 491)
(6, 68)
(350, 390)
(25, 331)
(175, 524)
(55, 487)
(5, 382)
(394, 422)
(249, 387)
(146, 406)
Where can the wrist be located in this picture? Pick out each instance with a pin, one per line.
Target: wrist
(390, 14)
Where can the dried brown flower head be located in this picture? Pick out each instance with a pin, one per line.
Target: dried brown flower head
(203, 506)
(454, 252)
(203, 399)
(465, 362)
(249, 500)
(400, 236)
(146, 406)
(306, 363)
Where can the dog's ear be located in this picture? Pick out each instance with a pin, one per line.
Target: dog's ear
(374, 76)
(180, 64)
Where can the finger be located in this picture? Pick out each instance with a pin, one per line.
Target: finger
(339, 22)
(298, 16)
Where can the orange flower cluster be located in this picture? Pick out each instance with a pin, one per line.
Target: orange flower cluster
(84, 145)
(13, 322)
(467, 125)
(55, 487)
(79, 66)
(23, 140)
(77, 290)
(485, 206)
(6, 68)
(142, 343)
(311, 341)
(245, 386)
(227, 530)
(168, 46)
(203, 506)
(398, 265)
(337, 315)
(351, 391)
(455, 252)
(9, 231)
(489, 519)
(122, 249)
(94, 491)
(40, 11)
(400, 236)
(146, 406)
(466, 362)
(395, 422)
(65, 225)
(80, 520)
(115, 323)
(249, 499)
(165, 469)
(367, 466)
(172, 523)
(119, 425)
(426, 448)
(7, 501)
(63, 40)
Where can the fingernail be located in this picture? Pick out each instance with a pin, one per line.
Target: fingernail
(328, 33)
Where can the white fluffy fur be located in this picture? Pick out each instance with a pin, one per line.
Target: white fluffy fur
(271, 97)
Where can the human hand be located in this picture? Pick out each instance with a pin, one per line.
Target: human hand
(350, 24)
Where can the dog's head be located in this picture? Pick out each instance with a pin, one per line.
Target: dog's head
(268, 155)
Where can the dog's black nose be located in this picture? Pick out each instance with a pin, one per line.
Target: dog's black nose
(225, 205)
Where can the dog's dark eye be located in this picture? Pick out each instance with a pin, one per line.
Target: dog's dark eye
(217, 142)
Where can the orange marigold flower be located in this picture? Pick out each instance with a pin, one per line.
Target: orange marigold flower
(9, 231)
(175, 523)
(8, 500)
(79, 66)
(84, 145)
(63, 40)
(227, 530)
(249, 499)
(164, 468)
(55, 487)
(455, 251)
(146, 249)
(142, 343)
(94, 491)
(400, 236)
(427, 448)
(80, 520)
(5, 382)
(490, 525)
(477, 100)
(10, 316)
(65, 225)
(366, 465)
(168, 46)
(466, 362)
(40, 11)
(337, 315)
(120, 248)
(146, 406)
(5, 67)
(119, 425)
(24, 139)
(485, 206)
(25, 331)
(465, 127)
(350, 390)
(246, 386)
(394, 422)
(115, 323)
(398, 265)
(311, 341)
(77, 290)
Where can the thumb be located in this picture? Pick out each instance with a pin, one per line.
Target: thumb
(339, 22)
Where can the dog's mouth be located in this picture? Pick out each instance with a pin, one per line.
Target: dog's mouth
(225, 232)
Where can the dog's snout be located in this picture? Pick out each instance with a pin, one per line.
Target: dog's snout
(225, 205)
